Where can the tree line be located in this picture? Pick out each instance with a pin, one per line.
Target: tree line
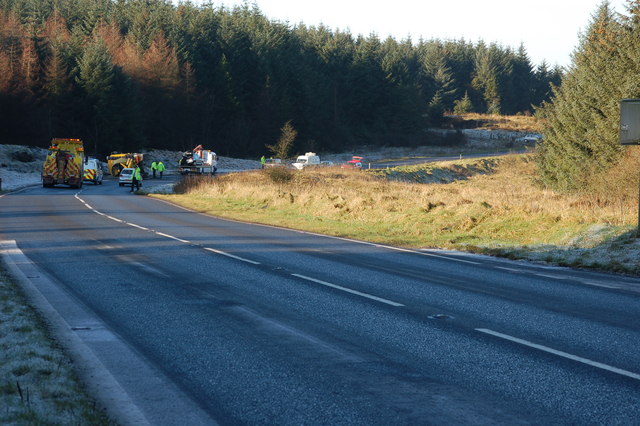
(130, 74)
(581, 121)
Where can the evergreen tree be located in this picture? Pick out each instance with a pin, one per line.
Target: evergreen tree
(464, 105)
(485, 81)
(581, 122)
(521, 95)
(96, 79)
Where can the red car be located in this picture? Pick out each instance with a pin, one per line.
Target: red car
(354, 163)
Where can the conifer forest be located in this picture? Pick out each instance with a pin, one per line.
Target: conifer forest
(125, 75)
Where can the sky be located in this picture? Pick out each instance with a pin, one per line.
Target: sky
(549, 29)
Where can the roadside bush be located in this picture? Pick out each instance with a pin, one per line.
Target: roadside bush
(191, 183)
(22, 156)
(279, 175)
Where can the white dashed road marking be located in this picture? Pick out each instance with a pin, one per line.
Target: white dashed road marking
(348, 290)
(561, 353)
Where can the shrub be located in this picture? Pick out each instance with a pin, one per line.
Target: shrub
(279, 175)
(190, 183)
(22, 156)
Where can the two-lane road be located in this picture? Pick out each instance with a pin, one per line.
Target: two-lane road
(256, 324)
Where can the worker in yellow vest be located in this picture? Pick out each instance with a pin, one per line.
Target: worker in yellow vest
(154, 167)
(160, 167)
(136, 178)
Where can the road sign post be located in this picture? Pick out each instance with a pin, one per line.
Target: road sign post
(630, 133)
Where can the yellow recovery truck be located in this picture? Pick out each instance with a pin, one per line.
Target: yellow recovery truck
(117, 161)
(64, 163)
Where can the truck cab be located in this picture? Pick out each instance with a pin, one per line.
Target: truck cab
(64, 163)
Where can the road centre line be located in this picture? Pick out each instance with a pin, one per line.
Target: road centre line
(233, 256)
(348, 290)
(172, 237)
(162, 234)
(561, 353)
(138, 226)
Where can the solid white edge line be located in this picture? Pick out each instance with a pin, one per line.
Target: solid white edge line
(510, 269)
(348, 290)
(597, 284)
(560, 353)
(233, 256)
(552, 276)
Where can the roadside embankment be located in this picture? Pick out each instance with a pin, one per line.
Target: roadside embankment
(487, 206)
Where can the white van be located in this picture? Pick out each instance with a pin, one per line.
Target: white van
(306, 160)
(93, 171)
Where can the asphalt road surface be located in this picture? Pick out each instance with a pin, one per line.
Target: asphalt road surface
(202, 320)
(414, 160)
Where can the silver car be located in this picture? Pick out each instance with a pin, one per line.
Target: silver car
(126, 176)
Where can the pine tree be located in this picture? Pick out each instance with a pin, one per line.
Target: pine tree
(485, 80)
(464, 105)
(96, 78)
(521, 95)
(581, 122)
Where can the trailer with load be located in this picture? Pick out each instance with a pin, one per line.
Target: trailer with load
(118, 161)
(198, 161)
(64, 163)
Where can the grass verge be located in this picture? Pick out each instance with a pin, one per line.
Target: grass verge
(37, 383)
(490, 206)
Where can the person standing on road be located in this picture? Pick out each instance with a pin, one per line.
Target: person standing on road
(135, 178)
(154, 167)
(160, 168)
(263, 161)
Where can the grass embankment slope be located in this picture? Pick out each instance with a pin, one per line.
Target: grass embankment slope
(487, 205)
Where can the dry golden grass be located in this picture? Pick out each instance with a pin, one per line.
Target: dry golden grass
(501, 208)
(518, 123)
